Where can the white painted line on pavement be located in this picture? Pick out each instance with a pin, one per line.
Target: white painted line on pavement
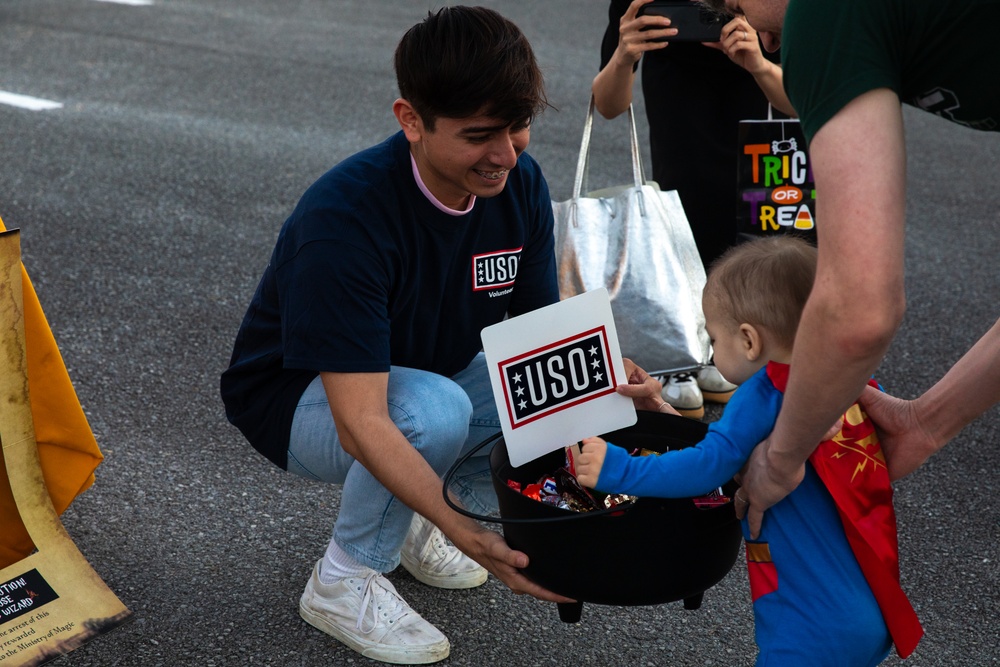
(25, 102)
(134, 3)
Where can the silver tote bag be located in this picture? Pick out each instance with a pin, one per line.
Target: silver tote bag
(635, 240)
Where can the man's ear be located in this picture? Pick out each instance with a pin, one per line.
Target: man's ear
(751, 341)
(409, 120)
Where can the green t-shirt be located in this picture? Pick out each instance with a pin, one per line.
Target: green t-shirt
(939, 55)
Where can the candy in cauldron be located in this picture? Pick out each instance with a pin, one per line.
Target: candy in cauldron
(654, 551)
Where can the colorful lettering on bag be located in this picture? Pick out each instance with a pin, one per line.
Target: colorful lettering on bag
(755, 151)
(772, 170)
(775, 182)
(787, 194)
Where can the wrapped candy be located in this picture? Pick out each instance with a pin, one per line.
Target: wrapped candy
(562, 489)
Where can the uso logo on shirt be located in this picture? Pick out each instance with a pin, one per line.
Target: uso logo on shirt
(557, 376)
(495, 269)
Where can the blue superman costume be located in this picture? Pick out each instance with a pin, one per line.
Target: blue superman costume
(824, 573)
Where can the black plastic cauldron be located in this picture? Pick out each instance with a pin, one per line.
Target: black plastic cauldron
(677, 550)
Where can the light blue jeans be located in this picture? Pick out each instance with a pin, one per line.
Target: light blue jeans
(441, 417)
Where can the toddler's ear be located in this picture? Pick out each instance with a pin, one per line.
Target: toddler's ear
(751, 341)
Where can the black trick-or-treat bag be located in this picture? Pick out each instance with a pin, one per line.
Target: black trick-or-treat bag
(776, 193)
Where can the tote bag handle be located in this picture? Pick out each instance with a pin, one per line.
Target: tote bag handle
(582, 164)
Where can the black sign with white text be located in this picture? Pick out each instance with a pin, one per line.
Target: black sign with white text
(23, 594)
(557, 376)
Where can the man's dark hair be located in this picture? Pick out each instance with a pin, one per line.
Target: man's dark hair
(463, 60)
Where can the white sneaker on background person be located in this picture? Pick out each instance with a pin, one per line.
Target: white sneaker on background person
(714, 387)
(367, 614)
(432, 559)
(681, 391)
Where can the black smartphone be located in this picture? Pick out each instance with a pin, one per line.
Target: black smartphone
(694, 21)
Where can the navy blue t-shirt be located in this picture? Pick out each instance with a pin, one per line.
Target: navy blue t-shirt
(368, 273)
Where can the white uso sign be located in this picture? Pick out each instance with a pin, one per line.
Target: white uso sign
(554, 373)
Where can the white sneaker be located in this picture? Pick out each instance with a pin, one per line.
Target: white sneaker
(366, 613)
(681, 391)
(432, 559)
(713, 386)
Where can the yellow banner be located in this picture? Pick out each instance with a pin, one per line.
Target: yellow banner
(66, 445)
(51, 601)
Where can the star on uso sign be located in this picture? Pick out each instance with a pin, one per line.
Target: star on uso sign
(554, 372)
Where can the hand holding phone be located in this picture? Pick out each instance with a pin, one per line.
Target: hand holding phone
(694, 22)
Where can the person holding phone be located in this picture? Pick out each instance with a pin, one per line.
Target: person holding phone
(695, 97)
(740, 42)
(935, 55)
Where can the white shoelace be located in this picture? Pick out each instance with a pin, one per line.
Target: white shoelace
(445, 551)
(377, 596)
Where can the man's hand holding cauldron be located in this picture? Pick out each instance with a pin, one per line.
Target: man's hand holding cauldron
(489, 549)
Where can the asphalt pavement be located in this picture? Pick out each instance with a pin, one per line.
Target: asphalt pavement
(149, 202)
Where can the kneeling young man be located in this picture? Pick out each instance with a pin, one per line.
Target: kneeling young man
(359, 359)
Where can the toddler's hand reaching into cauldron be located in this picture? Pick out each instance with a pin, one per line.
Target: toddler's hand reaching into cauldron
(590, 461)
